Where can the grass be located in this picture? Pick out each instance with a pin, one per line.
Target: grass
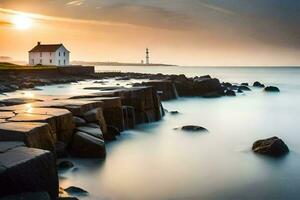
(9, 66)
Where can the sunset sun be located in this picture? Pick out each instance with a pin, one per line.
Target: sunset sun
(22, 22)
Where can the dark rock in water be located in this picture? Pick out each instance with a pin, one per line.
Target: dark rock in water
(61, 149)
(245, 84)
(258, 84)
(227, 84)
(76, 191)
(271, 146)
(244, 88)
(230, 93)
(174, 112)
(271, 89)
(193, 128)
(239, 91)
(215, 94)
(67, 198)
(65, 165)
(113, 130)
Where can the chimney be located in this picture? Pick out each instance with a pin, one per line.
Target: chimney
(39, 43)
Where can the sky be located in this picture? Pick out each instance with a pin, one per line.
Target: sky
(182, 32)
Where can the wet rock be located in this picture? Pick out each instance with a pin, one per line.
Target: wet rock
(93, 131)
(271, 89)
(245, 84)
(79, 121)
(129, 117)
(125, 78)
(65, 164)
(87, 146)
(67, 198)
(113, 130)
(165, 88)
(230, 93)
(193, 128)
(76, 191)
(272, 146)
(244, 88)
(36, 135)
(61, 149)
(96, 115)
(174, 112)
(258, 84)
(239, 91)
(212, 95)
(25, 170)
(6, 115)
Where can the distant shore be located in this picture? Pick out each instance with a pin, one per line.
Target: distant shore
(118, 64)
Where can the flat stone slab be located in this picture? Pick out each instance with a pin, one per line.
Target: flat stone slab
(17, 101)
(35, 135)
(5, 146)
(6, 115)
(26, 170)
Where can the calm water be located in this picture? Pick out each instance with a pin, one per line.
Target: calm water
(156, 162)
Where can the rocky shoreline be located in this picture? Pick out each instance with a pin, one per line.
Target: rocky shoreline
(33, 135)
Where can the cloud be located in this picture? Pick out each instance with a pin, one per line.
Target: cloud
(217, 8)
(75, 3)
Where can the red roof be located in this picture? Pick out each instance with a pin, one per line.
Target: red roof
(46, 48)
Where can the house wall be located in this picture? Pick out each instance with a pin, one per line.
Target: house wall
(62, 59)
(57, 58)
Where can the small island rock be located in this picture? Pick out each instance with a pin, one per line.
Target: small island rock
(271, 89)
(271, 146)
(193, 128)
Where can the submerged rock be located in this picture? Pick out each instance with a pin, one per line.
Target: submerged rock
(271, 89)
(193, 128)
(230, 93)
(65, 164)
(76, 191)
(258, 84)
(271, 146)
(174, 112)
(244, 84)
(79, 121)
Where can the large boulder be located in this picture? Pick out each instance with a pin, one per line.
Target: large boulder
(36, 135)
(271, 89)
(87, 146)
(96, 115)
(271, 146)
(165, 88)
(27, 170)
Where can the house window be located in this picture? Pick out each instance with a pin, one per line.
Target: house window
(64, 62)
(64, 53)
(59, 54)
(32, 61)
(41, 54)
(58, 62)
(50, 60)
(41, 61)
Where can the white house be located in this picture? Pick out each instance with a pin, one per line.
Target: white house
(49, 54)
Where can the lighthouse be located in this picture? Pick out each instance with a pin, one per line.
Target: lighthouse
(147, 57)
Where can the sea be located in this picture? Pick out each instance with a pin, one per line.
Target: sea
(156, 162)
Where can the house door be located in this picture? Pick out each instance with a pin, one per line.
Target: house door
(64, 62)
(58, 62)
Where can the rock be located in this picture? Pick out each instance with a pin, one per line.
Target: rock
(36, 135)
(239, 91)
(271, 146)
(258, 84)
(129, 117)
(67, 198)
(96, 132)
(26, 170)
(244, 84)
(271, 89)
(76, 191)
(193, 128)
(28, 196)
(96, 115)
(65, 164)
(18, 101)
(61, 149)
(113, 130)
(174, 112)
(6, 115)
(244, 88)
(79, 121)
(165, 88)
(87, 146)
(230, 93)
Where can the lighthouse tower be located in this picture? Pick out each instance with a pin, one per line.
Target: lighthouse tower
(147, 57)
